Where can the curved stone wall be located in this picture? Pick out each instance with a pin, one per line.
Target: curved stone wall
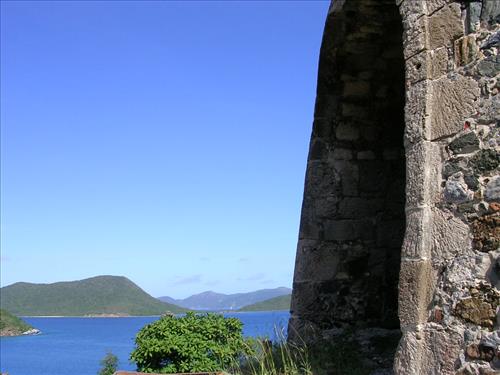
(359, 198)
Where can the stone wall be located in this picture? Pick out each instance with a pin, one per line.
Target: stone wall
(412, 83)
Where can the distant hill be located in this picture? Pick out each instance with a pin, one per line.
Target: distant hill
(273, 304)
(11, 325)
(94, 296)
(218, 301)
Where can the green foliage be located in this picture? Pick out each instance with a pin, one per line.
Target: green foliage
(109, 364)
(12, 324)
(274, 358)
(191, 343)
(97, 295)
(273, 304)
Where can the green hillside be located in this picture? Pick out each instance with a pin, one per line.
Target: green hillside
(273, 304)
(97, 295)
(11, 325)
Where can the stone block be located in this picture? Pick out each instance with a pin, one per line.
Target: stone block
(347, 132)
(492, 191)
(438, 62)
(415, 8)
(340, 230)
(445, 26)
(356, 89)
(489, 67)
(466, 50)
(348, 230)
(456, 189)
(450, 236)
(431, 6)
(304, 298)
(321, 180)
(340, 154)
(348, 173)
(326, 207)
(352, 208)
(414, 34)
(441, 349)
(322, 128)
(326, 106)
(453, 100)
(429, 349)
(416, 242)
(416, 284)
(465, 144)
(318, 149)
(490, 12)
(423, 174)
(316, 261)
(427, 65)
(417, 112)
(373, 177)
(365, 155)
(408, 358)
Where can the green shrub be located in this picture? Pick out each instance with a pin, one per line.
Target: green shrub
(191, 343)
(109, 364)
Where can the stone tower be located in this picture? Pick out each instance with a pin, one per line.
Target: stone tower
(399, 235)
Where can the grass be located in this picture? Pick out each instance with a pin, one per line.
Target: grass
(265, 357)
(338, 357)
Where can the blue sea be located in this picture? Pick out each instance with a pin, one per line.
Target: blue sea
(75, 346)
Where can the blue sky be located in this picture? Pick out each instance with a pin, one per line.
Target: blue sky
(162, 141)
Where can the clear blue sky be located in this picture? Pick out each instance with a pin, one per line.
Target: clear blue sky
(162, 141)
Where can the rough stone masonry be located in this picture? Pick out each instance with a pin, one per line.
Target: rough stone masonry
(399, 235)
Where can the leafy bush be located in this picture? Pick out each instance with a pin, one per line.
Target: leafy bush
(191, 343)
(109, 364)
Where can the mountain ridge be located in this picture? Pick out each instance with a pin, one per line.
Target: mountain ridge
(105, 294)
(280, 303)
(210, 300)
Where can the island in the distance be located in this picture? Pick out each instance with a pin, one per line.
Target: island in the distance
(11, 325)
(273, 304)
(96, 296)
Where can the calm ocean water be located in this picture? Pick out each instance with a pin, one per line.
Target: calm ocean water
(74, 346)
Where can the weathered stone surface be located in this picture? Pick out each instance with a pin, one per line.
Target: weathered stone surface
(466, 50)
(355, 211)
(454, 99)
(319, 263)
(485, 161)
(456, 190)
(445, 26)
(427, 65)
(465, 144)
(489, 67)
(414, 34)
(431, 6)
(482, 352)
(486, 233)
(450, 236)
(416, 243)
(490, 12)
(422, 179)
(492, 191)
(480, 308)
(416, 284)
(428, 350)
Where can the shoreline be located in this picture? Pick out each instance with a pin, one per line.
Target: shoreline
(139, 316)
(90, 316)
